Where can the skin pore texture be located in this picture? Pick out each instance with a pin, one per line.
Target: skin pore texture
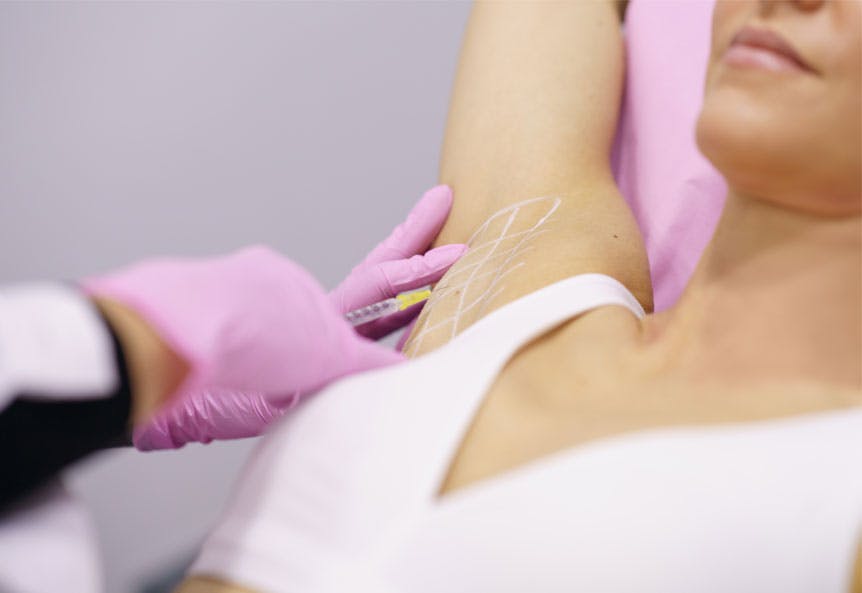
(770, 324)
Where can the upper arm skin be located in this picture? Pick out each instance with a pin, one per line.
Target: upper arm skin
(534, 106)
(533, 113)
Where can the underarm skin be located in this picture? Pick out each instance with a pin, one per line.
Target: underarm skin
(528, 245)
(498, 248)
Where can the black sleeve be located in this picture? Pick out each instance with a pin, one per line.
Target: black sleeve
(38, 438)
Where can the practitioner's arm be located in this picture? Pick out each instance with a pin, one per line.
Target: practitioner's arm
(527, 153)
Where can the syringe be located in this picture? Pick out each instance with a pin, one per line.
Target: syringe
(380, 309)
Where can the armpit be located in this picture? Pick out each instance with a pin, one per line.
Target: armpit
(496, 250)
(530, 244)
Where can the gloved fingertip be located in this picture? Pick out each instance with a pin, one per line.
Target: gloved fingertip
(419, 270)
(429, 213)
(436, 200)
(445, 256)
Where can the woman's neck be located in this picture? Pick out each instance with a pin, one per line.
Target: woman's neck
(777, 296)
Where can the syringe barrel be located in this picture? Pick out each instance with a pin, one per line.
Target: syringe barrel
(374, 311)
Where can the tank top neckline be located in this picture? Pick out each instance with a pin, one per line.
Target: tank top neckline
(503, 332)
(500, 335)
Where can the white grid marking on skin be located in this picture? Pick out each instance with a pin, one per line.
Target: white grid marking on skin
(501, 271)
(475, 302)
(472, 276)
(517, 206)
(449, 289)
(464, 269)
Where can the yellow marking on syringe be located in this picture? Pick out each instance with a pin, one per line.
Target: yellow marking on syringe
(413, 297)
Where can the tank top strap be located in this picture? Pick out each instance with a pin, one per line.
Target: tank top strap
(515, 324)
(461, 373)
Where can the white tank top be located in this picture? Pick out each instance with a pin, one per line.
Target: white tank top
(342, 495)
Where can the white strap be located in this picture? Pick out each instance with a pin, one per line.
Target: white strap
(476, 357)
(532, 315)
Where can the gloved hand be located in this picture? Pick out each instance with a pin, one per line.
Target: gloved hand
(258, 332)
(396, 264)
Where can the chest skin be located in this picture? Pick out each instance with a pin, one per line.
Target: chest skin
(587, 380)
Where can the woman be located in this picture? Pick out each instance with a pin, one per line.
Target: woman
(567, 442)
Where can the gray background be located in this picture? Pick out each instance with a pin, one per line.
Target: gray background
(131, 130)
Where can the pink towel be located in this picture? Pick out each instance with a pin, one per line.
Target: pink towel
(675, 193)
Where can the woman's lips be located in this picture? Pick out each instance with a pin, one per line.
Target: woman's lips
(759, 48)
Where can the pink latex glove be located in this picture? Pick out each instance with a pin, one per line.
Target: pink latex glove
(396, 264)
(258, 331)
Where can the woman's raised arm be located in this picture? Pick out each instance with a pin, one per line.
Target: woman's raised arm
(527, 153)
